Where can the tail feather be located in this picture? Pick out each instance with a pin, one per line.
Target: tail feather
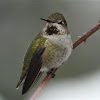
(37, 78)
(19, 83)
(26, 88)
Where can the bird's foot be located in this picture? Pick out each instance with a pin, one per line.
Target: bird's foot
(51, 72)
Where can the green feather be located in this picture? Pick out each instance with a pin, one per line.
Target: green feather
(38, 41)
(56, 17)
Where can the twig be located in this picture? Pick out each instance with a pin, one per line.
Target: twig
(49, 76)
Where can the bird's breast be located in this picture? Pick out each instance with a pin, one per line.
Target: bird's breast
(57, 51)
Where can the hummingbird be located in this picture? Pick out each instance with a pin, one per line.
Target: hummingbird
(51, 48)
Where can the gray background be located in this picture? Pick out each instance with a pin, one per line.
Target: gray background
(79, 77)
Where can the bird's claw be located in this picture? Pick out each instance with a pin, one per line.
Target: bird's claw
(51, 72)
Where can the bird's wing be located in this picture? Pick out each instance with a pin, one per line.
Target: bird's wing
(34, 70)
(32, 62)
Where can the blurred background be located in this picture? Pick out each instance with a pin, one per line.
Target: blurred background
(79, 77)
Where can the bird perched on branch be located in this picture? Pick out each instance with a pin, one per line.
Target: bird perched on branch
(51, 47)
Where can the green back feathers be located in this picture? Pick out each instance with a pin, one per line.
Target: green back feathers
(38, 41)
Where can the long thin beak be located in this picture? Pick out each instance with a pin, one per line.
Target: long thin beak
(47, 20)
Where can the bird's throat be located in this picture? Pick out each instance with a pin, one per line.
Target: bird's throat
(52, 30)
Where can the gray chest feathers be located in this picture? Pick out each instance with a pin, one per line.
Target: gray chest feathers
(62, 50)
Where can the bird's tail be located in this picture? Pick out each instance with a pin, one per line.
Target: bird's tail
(26, 87)
(19, 83)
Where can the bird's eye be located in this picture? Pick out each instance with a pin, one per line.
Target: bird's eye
(61, 22)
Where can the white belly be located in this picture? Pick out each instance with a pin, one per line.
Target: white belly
(62, 55)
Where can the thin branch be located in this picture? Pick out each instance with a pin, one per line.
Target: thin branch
(49, 76)
(86, 35)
